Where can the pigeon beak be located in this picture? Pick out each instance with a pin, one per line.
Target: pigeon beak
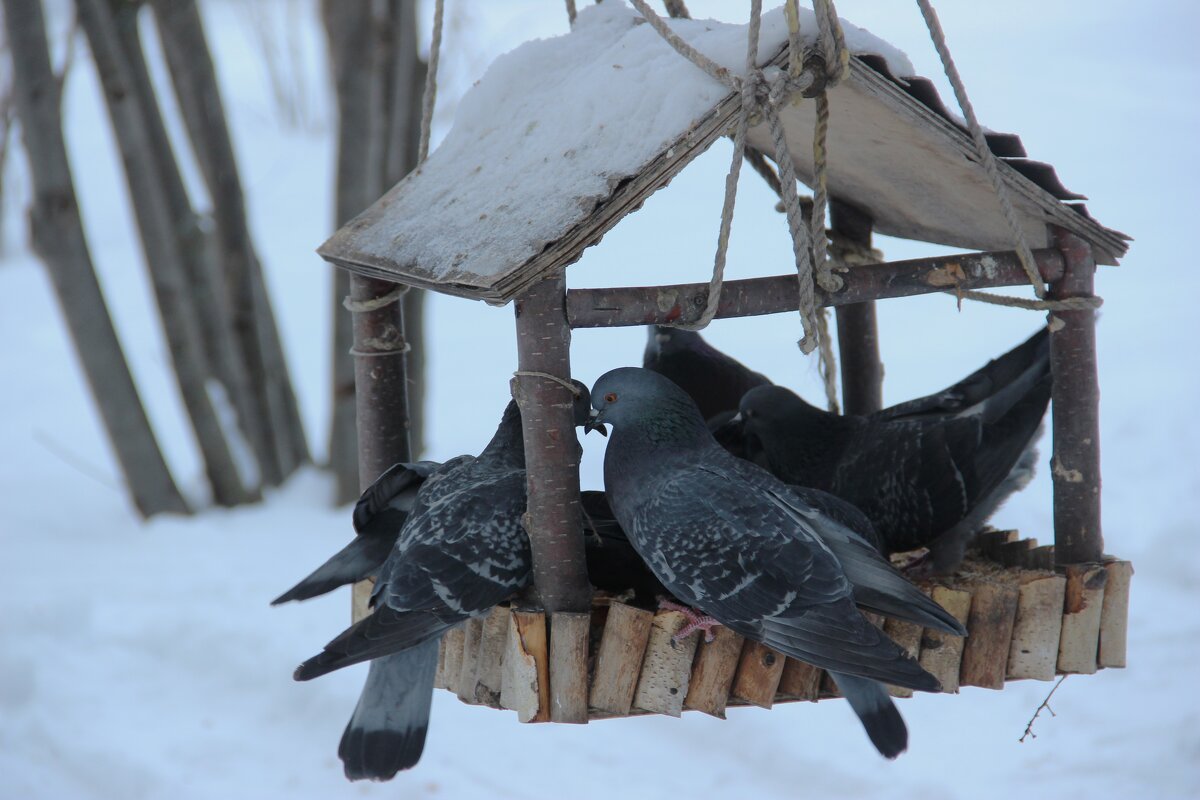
(594, 424)
(737, 418)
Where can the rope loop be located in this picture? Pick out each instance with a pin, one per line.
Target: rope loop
(572, 388)
(375, 303)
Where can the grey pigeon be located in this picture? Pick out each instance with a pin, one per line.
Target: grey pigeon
(731, 540)
(455, 547)
(461, 551)
(929, 476)
(715, 381)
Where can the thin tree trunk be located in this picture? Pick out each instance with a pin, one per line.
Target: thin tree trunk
(59, 240)
(167, 265)
(223, 360)
(273, 417)
(406, 76)
(372, 48)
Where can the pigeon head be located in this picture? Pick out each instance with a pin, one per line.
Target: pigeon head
(766, 407)
(584, 414)
(632, 397)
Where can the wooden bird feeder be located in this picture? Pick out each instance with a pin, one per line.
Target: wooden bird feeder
(903, 166)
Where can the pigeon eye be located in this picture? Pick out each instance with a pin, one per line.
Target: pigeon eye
(611, 397)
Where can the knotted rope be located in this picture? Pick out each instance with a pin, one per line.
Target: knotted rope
(762, 93)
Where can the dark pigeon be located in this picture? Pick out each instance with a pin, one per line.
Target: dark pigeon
(928, 476)
(729, 539)
(446, 543)
(461, 551)
(712, 379)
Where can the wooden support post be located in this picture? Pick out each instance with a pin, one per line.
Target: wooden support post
(380, 378)
(381, 391)
(1075, 465)
(857, 328)
(553, 520)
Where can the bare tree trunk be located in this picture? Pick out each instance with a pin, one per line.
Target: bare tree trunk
(406, 76)
(223, 360)
(377, 76)
(132, 119)
(59, 240)
(268, 403)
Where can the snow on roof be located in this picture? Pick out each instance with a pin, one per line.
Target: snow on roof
(539, 162)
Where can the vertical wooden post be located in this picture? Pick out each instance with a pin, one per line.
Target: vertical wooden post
(381, 388)
(858, 330)
(553, 518)
(1075, 464)
(380, 379)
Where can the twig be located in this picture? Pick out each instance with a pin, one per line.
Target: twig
(1046, 705)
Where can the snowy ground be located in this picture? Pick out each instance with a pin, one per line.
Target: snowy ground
(142, 661)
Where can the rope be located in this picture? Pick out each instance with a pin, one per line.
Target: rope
(382, 346)
(435, 47)
(572, 388)
(1065, 304)
(986, 157)
(374, 303)
(991, 166)
(714, 70)
(778, 87)
(832, 42)
(735, 171)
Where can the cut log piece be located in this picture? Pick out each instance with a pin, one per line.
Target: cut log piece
(759, 671)
(667, 666)
(469, 668)
(908, 636)
(800, 681)
(619, 658)
(989, 542)
(491, 657)
(712, 673)
(1034, 649)
(525, 678)
(1114, 615)
(985, 653)
(451, 658)
(1082, 604)
(941, 653)
(568, 667)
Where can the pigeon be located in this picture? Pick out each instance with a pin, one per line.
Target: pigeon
(928, 473)
(446, 543)
(732, 541)
(614, 566)
(715, 381)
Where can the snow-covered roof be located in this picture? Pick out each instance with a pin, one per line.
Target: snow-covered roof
(564, 136)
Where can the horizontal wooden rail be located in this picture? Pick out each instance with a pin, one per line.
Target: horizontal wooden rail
(661, 305)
